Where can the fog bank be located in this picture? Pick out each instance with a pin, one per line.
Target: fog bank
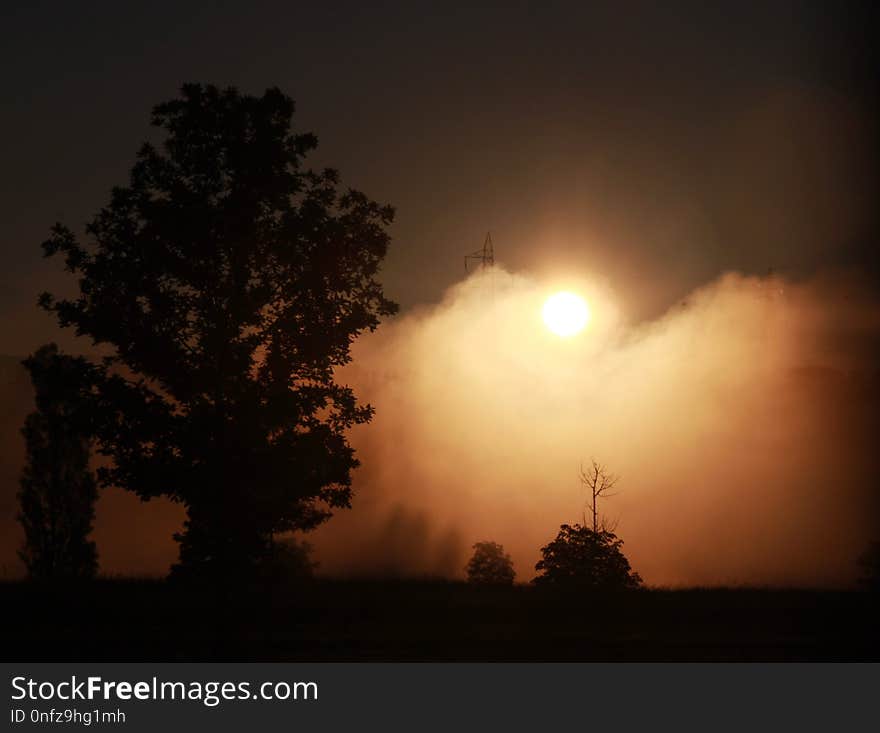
(739, 424)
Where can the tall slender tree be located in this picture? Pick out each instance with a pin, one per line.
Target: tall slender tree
(58, 490)
(229, 282)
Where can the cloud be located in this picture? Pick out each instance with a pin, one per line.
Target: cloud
(739, 422)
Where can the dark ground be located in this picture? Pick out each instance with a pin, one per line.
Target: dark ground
(133, 620)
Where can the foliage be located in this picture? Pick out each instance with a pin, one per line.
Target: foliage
(229, 283)
(580, 556)
(57, 491)
(490, 565)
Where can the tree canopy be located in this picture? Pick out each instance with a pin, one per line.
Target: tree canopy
(580, 556)
(227, 282)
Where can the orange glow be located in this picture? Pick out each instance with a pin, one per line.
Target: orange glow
(723, 417)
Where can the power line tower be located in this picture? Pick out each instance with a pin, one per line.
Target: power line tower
(486, 255)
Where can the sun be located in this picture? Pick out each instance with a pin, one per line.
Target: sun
(565, 313)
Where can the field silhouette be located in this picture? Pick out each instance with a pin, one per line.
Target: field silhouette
(412, 620)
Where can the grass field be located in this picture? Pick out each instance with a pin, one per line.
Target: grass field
(325, 620)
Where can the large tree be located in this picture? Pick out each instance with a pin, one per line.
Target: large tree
(57, 492)
(229, 282)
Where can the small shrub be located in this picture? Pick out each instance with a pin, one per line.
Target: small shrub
(490, 565)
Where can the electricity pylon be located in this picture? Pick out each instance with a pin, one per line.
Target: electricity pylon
(486, 256)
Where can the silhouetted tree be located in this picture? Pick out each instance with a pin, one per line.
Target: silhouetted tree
(57, 490)
(580, 556)
(598, 483)
(490, 565)
(230, 283)
(870, 564)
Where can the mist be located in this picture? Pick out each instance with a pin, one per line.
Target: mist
(739, 424)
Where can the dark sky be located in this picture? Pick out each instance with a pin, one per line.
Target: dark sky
(654, 147)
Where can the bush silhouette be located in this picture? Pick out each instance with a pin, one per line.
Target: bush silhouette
(57, 490)
(490, 565)
(229, 283)
(582, 557)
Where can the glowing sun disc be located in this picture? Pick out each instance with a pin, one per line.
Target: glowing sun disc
(565, 313)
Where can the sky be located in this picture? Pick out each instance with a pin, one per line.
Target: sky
(675, 158)
(656, 146)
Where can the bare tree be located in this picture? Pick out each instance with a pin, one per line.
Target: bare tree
(598, 482)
